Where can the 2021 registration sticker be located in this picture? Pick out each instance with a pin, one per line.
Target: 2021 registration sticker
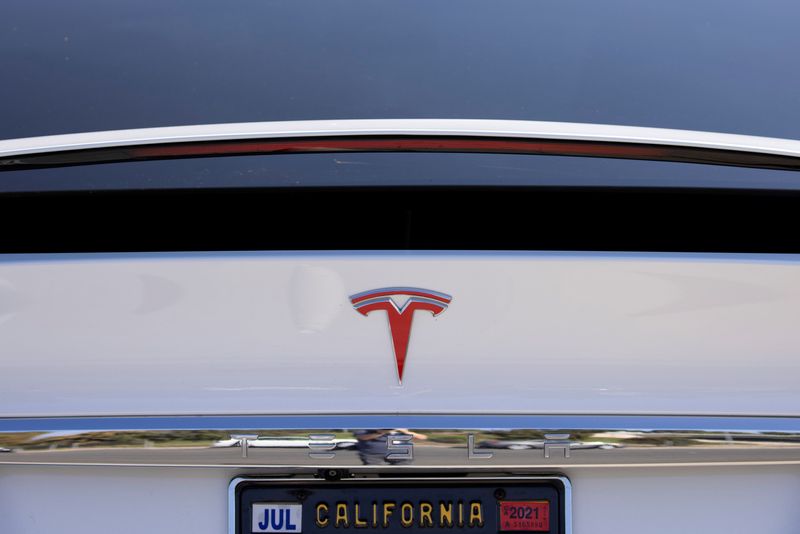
(528, 516)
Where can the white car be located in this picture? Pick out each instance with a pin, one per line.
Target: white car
(532, 391)
(423, 267)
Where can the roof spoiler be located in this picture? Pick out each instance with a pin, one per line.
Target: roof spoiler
(401, 135)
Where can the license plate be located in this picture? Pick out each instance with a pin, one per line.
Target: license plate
(394, 506)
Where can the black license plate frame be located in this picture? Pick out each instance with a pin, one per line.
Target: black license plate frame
(244, 492)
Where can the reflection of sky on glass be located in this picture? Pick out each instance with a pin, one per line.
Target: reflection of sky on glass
(90, 65)
(382, 169)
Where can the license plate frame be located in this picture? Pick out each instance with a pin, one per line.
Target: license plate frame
(246, 491)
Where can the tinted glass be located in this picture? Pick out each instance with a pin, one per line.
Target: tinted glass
(392, 169)
(716, 65)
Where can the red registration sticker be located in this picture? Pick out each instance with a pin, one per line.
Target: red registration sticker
(531, 516)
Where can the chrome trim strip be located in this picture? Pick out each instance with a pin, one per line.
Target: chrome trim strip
(401, 127)
(422, 421)
(307, 470)
(502, 442)
(564, 481)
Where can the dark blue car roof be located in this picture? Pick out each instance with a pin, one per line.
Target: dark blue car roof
(712, 65)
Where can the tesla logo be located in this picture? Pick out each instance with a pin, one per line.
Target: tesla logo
(400, 316)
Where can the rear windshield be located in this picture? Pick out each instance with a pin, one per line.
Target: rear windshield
(390, 170)
(712, 65)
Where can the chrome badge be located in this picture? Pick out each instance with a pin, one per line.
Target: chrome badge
(400, 316)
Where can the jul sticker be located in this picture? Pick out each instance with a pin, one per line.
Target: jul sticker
(277, 517)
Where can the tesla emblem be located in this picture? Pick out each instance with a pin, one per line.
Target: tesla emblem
(400, 316)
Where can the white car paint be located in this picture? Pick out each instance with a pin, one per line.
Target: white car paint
(526, 332)
(375, 127)
(275, 333)
(605, 501)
